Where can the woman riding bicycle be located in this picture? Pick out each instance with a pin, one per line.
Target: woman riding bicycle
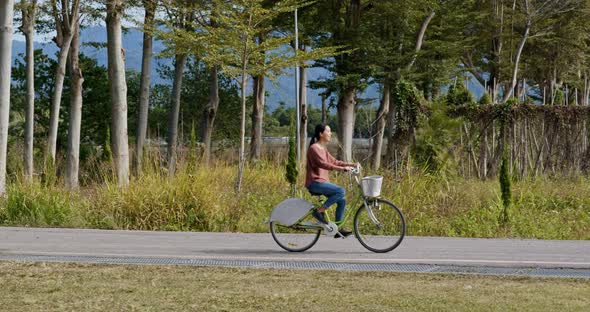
(319, 162)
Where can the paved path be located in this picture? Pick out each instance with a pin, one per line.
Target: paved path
(28, 243)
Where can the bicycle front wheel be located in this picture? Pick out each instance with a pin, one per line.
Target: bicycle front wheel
(298, 237)
(379, 227)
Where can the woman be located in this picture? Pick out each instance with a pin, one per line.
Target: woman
(319, 162)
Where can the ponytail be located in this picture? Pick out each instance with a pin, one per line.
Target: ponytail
(319, 129)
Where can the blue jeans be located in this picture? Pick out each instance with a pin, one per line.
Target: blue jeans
(335, 194)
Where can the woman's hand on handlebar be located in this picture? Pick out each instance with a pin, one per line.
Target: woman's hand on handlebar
(348, 169)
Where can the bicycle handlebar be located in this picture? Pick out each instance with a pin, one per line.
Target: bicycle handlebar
(356, 170)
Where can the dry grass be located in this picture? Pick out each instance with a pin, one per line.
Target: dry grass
(84, 287)
(203, 199)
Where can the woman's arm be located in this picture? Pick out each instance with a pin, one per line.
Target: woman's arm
(338, 162)
(320, 160)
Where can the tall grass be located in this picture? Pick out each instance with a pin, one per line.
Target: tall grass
(203, 199)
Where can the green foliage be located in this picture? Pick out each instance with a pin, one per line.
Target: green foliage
(406, 103)
(194, 98)
(343, 25)
(511, 102)
(505, 187)
(193, 151)
(49, 177)
(96, 101)
(459, 95)
(435, 136)
(231, 41)
(107, 153)
(39, 205)
(559, 97)
(278, 122)
(486, 99)
(193, 138)
(292, 171)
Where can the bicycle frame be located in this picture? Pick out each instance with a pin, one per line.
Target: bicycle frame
(359, 197)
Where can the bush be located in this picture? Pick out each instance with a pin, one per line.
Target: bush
(459, 95)
(36, 205)
(203, 200)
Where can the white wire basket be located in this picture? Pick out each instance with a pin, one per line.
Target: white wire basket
(372, 186)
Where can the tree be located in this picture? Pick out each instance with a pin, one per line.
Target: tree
(174, 112)
(76, 81)
(118, 90)
(259, 97)
(96, 99)
(6, 22)
(398, 23)
(406, 112)
(291, 167)
(182, 14)
(146, 63)
(343, 25)
(303, 111)
(499, 35)
(66, 18)
(535, 12)
(419, 41)
(211, 110)
(29, 10)
(210, 113)
(232, 46)
(195, 99)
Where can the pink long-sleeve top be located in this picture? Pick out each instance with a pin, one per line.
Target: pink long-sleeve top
(319, 162)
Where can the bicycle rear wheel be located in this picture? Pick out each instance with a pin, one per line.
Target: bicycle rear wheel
(298, 237)
(385, 231)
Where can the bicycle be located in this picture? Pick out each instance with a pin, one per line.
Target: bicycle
(378, 224)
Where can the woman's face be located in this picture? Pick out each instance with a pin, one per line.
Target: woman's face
(326, 136)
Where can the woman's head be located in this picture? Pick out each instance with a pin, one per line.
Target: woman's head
(322, 133)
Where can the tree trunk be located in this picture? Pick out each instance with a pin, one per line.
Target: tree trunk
(65, 34)
(516, 62)
(497, 45)
(243, 85)
(257, 117)
(56, 100)
(118, 91)
(144, 89)
(420, 38)
(391, 151)
(28, 28)
(303, 112)
(483, 149)
(6, 16)
(73, 153)
(346, 120)
(175, 112)
(380, 122)
(209, 115)
(242, 157)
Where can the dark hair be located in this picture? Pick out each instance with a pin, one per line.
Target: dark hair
(319, 129)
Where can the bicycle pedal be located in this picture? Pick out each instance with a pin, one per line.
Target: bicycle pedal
(330, 229)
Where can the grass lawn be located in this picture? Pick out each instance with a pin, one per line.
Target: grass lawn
(88, 287)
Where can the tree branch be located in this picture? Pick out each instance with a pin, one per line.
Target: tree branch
(420, 38)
